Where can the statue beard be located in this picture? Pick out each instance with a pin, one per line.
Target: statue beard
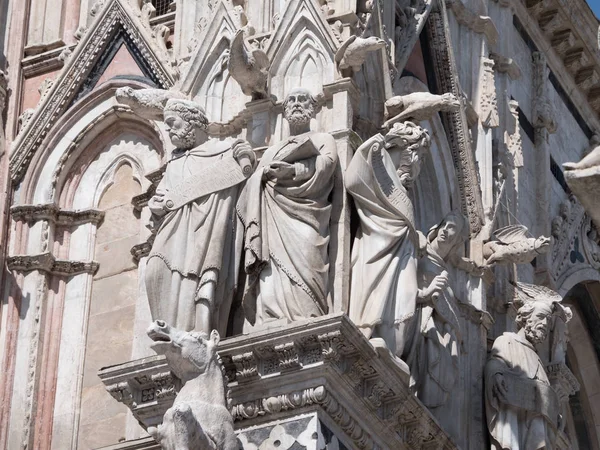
(297, 117)
(535, 333)
(184, 138)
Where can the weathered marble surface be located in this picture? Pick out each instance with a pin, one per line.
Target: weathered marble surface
(323, 366)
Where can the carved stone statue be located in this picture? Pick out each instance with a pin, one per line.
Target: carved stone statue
(591, 159)
(383, 290)
(434, 354)
(521, 406)
(354, 51)
(191, 272)
(249, 68)
(418, 106)
(199, 418)
(285, 209)
(510, 244)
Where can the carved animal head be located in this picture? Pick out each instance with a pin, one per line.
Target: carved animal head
(126, 96)
(372, 43)
(449, 102)
(542, 244)
(189, 353)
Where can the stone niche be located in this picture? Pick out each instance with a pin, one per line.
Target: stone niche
(316, 384)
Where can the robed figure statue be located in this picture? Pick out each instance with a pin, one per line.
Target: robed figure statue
(384, 288)
(522, 408)
(191, 273)
(285, 208)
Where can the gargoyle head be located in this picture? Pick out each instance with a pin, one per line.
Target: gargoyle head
(189, 353)
(542, 244)
(449, 102)
(126, 95)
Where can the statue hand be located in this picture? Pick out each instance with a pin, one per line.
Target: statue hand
(499, 388)
(279, 170)
(437, 285)
(157, 202)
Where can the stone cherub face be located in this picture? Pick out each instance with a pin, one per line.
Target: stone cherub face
(299, 107)
(184, 120)
(534, 318)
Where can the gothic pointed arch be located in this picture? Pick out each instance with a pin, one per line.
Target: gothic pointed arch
(116, 21)
(301, 41)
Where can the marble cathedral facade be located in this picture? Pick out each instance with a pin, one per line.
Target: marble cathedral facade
(381, 216)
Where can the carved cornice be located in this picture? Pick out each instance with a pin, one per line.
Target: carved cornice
(46, 262)
(51, 212)
(571, 30)
(476, 23)
(115, 14)
(45, 62)
(323, 363)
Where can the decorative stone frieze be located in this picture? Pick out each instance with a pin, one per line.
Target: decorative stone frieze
(488, 103)
(324, 365)
(444, 64)
(46, 262)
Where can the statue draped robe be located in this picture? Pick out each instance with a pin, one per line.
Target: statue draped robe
(383, 287)
(287, 234)
(528, 420)
(197, 243)
(434, 355)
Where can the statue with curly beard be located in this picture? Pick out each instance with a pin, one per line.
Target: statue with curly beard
(191, 272)
(522, 408)
(285, 209)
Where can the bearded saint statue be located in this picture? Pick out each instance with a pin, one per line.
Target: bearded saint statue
(191, 273)
(285, 209)
(522, 408)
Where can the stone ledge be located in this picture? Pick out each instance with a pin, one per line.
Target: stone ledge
(324, 365)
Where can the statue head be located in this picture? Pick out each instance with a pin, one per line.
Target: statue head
(299, 107)
(535, 307)
(534, 319)
(449, 233)
(407, 143)
(186, 123)
(189, 353)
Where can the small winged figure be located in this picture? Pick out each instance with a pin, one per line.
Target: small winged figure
(511, 245)
(418, 106)
(249, 69)
(354, 51)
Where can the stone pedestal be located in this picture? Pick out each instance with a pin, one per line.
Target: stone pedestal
(309, 385)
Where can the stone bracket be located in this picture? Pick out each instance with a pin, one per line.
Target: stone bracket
(51, 212)
(46, 262)
(324, 364)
